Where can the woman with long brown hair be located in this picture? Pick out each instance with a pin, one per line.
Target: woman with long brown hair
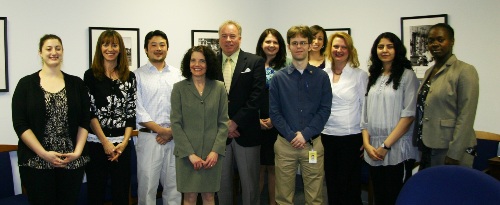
(112, 89)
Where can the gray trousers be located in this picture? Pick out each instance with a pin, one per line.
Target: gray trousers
(247, 160)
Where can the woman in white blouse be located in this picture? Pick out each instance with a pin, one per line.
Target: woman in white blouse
(388, 114)
(342, 137)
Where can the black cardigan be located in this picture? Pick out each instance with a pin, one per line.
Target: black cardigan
(28, 110)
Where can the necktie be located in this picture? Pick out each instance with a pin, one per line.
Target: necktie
(228, 74)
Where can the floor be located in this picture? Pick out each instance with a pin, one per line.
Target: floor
(298, 198)
(299, 194)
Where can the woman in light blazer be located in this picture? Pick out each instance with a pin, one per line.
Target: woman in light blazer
(446, 106)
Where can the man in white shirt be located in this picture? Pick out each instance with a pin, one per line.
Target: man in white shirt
(155, 144)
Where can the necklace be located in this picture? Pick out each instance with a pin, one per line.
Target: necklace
(337, 73)
(200, 87)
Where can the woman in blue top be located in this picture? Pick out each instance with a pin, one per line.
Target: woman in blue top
(271, 46)
(387, 117)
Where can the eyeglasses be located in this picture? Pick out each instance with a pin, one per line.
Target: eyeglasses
(301, 43)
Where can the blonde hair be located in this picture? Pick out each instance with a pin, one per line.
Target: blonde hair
(353, 53)
(231, 22)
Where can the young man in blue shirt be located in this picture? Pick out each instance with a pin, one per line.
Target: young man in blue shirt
(300, 104)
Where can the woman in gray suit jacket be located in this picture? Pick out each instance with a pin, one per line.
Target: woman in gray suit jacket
(199, 125)
(447, 102)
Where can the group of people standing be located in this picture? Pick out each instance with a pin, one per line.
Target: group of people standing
(261, 113)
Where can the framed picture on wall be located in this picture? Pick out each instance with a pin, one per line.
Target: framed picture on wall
(331, 31)
(414, 36)
(4, 77)
(208, 38)
(130, 39)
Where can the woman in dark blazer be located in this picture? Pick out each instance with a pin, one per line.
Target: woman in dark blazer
(199, 125)
(50, 114)
(446, 106)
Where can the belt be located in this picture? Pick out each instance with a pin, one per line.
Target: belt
(146, 130)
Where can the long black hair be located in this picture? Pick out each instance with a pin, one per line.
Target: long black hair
(399, 63)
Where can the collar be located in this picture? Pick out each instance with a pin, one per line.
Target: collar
(151, 67)
(309, 69)
(234, 56)
(347, 69)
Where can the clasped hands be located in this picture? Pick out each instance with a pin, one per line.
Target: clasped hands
(208, 163)
(265, 124)
(113, 151)
(232, 129)
(377, 154)
(59, 160)
(298, 142)
(164, 135)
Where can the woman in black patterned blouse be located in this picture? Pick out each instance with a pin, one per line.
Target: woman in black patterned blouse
(50, 114)
(112, 89)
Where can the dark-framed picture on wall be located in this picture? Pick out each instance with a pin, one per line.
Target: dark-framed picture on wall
(4, 74)
(414, 36)
(331, 31)
(208, 38)
(130, 39)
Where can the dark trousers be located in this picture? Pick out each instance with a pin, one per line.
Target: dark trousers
(388, 180)
(52, 186)
(99, 170)
(343, 168)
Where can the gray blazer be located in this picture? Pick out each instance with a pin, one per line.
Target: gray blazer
(450, 108)
(199, 123)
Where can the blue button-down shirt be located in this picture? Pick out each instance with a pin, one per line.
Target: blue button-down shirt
(300, 102)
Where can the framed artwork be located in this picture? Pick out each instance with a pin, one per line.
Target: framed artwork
(130, 39)
(208, 38)
(331, 31)
(4, 77)
(414, 36)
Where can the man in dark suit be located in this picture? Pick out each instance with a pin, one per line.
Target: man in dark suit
(244, 77)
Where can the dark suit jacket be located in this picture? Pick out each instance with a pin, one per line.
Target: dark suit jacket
(245, 96)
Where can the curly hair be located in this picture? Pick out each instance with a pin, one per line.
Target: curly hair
(210, 58)
(399, 63)
(110, 36)
(279, 60)
(353, 53)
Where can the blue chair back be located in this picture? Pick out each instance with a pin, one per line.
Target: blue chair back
(487, 148)
(450, 185)
(7, 194)
(6, 178)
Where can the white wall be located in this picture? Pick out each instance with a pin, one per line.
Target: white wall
(475, 24)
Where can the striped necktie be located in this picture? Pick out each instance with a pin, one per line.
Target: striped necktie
(228, 74)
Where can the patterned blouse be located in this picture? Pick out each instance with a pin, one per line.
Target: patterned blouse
(57, 132)
(112, 102)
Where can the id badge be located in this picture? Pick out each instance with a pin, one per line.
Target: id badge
(313, 157)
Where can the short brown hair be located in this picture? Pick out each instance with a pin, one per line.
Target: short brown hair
(303, 31)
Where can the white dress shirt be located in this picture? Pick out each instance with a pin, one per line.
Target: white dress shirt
(348, 96)
(153, 93)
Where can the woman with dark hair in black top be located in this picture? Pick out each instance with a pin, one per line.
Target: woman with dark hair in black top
(112, 89)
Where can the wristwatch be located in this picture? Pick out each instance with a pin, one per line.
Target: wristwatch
(385, 147)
